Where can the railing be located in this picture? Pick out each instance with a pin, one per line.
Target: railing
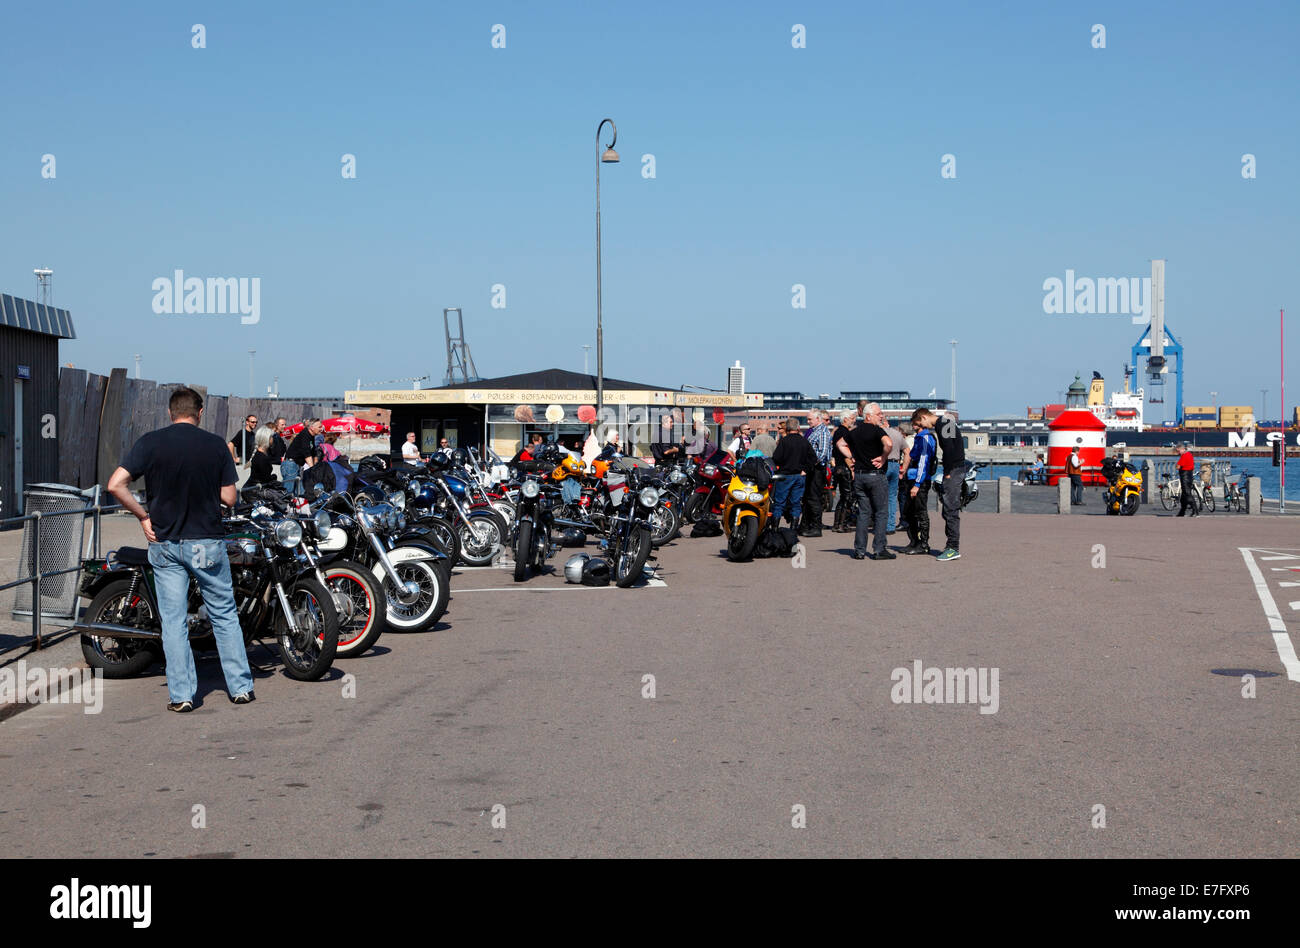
(36, 519)
(1162, 468)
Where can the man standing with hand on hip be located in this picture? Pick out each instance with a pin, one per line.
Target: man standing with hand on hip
(188, 473)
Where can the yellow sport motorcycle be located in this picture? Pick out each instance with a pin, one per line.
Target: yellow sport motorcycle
(746, 508)
(1123, 491)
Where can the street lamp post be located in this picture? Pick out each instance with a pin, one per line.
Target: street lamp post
(251, 353)
(953, 343)
(608, 156)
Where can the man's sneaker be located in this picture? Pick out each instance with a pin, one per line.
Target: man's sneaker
(885, 555)
(914, 549)
(180, 706)
(949, 554)
(246, 698)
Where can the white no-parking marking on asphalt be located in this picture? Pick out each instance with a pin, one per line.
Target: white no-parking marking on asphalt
(1285, 648)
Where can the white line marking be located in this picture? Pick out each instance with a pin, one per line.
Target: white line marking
(651, 581)
(1289, 556)
(1284, 585)
(1285, 648)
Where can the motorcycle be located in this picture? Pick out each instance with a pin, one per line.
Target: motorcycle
(359, 596)
(970, 488)
(627, 542)
(480, 530)
(747, 508)
(711, 479)
(412, 572)
(1123, 493)
(533, 524)
(275, 593)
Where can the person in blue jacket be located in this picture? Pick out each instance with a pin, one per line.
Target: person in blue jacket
(920, 469)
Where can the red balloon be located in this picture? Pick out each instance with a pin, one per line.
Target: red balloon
(719, 416)
(586, 414)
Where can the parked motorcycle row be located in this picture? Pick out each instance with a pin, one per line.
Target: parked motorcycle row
(324, 576)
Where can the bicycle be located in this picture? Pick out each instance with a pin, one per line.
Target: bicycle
(1171, 492)
(1234, 498)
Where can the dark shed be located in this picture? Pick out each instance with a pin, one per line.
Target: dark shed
(29, 396)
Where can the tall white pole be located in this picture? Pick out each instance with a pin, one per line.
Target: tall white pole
(954, 372)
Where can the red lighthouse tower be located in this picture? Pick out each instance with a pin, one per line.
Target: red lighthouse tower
(1076, 427)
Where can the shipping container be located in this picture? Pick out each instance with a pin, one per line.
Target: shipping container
(1199, 424)
(1199, 409)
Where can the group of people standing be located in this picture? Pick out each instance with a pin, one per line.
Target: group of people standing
(258, 452)
(881, 473)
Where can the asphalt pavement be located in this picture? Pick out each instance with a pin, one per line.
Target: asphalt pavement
(521, 725)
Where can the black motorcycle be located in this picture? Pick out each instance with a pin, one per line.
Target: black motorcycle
(276, 594)
(534, 519)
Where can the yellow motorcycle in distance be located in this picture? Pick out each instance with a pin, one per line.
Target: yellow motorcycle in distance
(1123, 491)
(747, 508)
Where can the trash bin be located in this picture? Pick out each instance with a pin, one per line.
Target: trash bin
(60, 548)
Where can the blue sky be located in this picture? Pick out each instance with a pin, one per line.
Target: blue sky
(774, 166)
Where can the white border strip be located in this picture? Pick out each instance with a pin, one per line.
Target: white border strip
(1285, 648)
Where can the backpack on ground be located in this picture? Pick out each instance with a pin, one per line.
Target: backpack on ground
(776, 542)
(708, 527)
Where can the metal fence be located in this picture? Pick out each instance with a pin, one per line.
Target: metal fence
(1163, 468)
(35, 555)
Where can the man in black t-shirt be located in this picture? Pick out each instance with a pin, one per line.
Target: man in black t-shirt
(302, 447)
(244, 444)
(188, 473)
(864, 449)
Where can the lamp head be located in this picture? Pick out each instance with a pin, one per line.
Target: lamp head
(610, 157)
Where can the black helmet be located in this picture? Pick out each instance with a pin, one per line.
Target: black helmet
(548, 452)
(460, 457)
(438, 461)
(595, 572)
(572, 536)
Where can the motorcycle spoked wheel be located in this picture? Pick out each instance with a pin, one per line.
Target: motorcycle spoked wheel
(629, 563)
(120, 658)
(361, 605)
(664, 525)
(481, 538)
(445, 538)
(427, 608)
(308, 653)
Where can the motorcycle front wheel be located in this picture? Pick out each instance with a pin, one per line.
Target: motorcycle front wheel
(430, 602)
(481, 538)
(664, 524)
(630, 563)
(697, 506)
(1130, 505)
(361, 605)
(308, 653)
(523, 549)
(744, 536)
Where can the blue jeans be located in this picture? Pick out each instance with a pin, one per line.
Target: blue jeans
(289, 471)
(891, 478)
(788, 492)
(873, 507)
(174, 562)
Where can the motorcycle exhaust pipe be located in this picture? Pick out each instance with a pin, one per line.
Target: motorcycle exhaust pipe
(560, 522)
(116, 631)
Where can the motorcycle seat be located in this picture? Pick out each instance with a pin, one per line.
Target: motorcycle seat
(132, 556)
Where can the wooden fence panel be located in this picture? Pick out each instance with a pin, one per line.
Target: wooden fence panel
(109, 456)
(72, 392)
(88, 450)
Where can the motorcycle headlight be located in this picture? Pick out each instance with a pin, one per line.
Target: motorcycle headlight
(288, 533)
(709, 470)
(649, 496)
(755, 498)
(530, 489)
(677, 476)
(323, 523)
(740, 493)
(398, 499)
